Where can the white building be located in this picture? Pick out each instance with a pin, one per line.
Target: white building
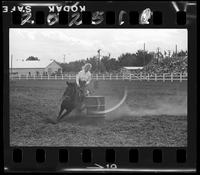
(53, 67)
(130, 69)
(36, 68)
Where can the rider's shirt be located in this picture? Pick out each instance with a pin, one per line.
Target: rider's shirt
(83, 76)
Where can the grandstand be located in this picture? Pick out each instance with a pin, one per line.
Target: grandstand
(167, 65)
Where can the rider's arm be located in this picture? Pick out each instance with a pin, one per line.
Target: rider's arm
(89, 79)
(77, 79)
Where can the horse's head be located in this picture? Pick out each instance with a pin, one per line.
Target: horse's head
(73, 91)
(70, 90)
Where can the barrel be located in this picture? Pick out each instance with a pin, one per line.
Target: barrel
(93, 104)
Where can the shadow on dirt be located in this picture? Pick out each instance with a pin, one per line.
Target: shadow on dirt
(81, 120)
(84, 120)
(49, 120)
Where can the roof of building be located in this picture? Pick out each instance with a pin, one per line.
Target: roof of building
(55, 62)
(32, 64)
(132, 68)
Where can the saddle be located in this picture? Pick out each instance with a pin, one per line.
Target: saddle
(81, 89)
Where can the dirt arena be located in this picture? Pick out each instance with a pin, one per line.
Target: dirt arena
(154, 114)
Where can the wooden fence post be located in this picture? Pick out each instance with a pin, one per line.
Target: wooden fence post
(110, 76)
(117, 77)
(27, 76)
(69, 76)
(62, 76)
(155, 77)
(96, 76)
(55, 77)
(180, 77)
(129, 77)
(171, 77)
(41, 77)
(140, 76)
(164, 77)
(186, 76)
(123, 77)
(147, 77)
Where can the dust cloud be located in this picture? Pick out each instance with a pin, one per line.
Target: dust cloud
(176, 105)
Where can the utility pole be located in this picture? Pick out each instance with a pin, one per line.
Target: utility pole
(11, 63)
(176, 50)
(99, 57)
(158, 52)
(109, 55)
(144, 55)
(64, 58)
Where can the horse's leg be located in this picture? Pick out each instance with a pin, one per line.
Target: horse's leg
(65, 113)
(83, 109)
(59, 115)
(83, 106)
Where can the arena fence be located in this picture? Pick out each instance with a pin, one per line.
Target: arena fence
(140, 77)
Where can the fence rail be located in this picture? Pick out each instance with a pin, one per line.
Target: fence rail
(140, 77)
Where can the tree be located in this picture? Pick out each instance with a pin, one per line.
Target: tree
(32, 58)
(165, 53)
(182, 53)
(93, 61)
(127, 59)
(143, 57)
(110, 64)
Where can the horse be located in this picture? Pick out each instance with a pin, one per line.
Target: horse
(72, 98)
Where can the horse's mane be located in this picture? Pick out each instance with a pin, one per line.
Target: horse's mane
(70, 90)
(73, 92)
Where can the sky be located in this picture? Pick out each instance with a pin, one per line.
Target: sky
(76, 44)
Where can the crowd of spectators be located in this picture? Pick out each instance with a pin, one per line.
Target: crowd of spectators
(167, 65)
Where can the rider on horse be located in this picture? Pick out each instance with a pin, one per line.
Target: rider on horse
(84, 77)
(74, 94)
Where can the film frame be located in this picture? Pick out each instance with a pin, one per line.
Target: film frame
(106, 159)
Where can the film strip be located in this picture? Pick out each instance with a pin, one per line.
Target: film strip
(140, 115)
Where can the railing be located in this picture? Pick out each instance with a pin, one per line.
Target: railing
(141, 77)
